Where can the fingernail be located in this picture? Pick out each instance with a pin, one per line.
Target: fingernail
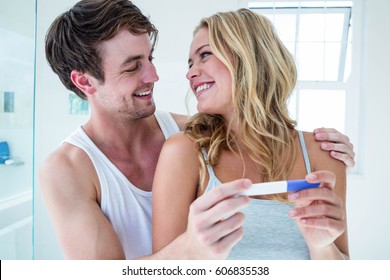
(292, 212)
(320, 136)
(247, 183)
(293, 196)
(324, 145)
(303, 221)
(312, 176)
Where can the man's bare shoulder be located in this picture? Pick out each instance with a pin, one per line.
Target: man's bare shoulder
(65, 158)
(180, 119)
(68, 169)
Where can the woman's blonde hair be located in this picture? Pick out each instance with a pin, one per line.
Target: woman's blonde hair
(263, 76)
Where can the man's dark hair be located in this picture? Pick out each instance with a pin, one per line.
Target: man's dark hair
(72, 39)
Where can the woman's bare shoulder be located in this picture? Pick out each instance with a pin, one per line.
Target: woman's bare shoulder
(320, 159)
(180, 142)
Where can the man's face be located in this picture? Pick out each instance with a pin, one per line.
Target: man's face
(130, 75)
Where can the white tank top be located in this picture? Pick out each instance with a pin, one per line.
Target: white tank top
(128, 208)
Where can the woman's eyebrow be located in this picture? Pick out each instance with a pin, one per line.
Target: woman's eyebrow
(197, 51)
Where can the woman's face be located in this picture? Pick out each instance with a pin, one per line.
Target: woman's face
(209, 78)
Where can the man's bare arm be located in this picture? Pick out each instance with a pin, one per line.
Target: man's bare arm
(67, 181)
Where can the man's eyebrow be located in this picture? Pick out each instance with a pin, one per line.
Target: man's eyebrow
(130, 59)
(197, 51)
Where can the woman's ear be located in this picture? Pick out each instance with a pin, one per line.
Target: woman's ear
(83, 82)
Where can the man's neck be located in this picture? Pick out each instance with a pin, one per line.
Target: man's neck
(120, 135)
(133, 148)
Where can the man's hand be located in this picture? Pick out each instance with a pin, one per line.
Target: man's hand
(337, 143)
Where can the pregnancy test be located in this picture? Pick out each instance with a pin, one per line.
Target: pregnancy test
(279, 187)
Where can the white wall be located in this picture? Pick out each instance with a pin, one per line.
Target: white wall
(176, 20)
(368, 193)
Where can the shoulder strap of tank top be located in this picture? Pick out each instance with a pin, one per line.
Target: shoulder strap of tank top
(304, 151)
(166, 123)
(209, 167)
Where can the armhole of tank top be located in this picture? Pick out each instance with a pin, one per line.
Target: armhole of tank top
(167, 123)
(304, 151)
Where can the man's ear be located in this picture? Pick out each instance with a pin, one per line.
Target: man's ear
(83, 82)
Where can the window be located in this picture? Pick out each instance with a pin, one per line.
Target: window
(318, 35)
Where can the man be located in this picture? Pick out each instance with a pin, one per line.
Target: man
(97, 184)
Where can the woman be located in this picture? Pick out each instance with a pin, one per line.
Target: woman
(242, 76)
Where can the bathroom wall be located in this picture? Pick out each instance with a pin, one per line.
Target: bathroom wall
(17, 36)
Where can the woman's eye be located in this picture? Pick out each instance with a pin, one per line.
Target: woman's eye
(205, 54)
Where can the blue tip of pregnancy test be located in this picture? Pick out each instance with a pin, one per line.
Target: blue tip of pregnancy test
(297, 185)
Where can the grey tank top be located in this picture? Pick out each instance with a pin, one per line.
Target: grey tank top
(269, 233)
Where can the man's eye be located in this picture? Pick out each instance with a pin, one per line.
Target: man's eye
(133, 69)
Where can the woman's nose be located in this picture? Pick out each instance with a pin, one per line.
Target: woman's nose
(192, 72)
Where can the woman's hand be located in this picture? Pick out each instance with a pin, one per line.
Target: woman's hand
(319, 212)
(214, 221)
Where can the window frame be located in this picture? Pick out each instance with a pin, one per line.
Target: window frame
(352, 85)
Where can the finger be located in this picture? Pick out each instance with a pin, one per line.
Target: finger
(326, 178)
(223, 210)
(324, 130)
(342, 148)
(347, 159)
(318, 210)
(336, 227)
(223, 229)
(325, 192)
(320, 195)
(334, 137)
(330, 134)
(227, 242)
(340, 152)
(223, 191)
